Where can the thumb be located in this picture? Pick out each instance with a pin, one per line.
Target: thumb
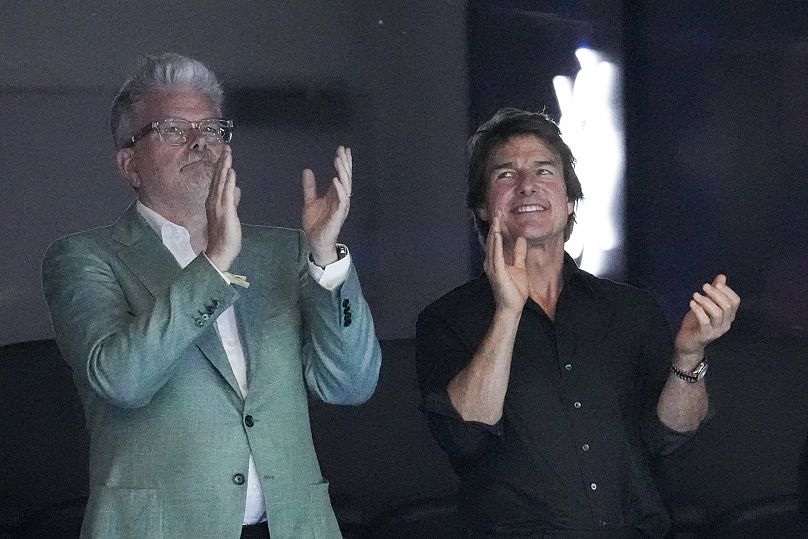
(309, 186)
(520, 253)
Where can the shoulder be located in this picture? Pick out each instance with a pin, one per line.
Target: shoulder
(469, 301)
(85, 242)
(625, 305)
(616, 293)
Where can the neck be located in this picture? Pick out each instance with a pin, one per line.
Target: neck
(544, 265)
(195, 221)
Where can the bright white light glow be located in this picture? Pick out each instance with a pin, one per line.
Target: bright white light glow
(590, 125)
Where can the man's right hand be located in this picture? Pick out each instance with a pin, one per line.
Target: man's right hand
(508, 281)
(224, 227)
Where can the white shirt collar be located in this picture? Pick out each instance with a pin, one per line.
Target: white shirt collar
(176, 238)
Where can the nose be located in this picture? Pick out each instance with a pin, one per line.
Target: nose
(527, 183)
(196, 140)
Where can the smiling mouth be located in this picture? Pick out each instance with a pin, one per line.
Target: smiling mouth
(200, 162)
(529, 208)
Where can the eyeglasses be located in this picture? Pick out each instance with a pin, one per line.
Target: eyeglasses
(176, 132)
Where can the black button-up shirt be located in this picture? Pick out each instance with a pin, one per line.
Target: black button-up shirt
(579, 421)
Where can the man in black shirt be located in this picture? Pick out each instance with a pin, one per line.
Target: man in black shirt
(550, 388)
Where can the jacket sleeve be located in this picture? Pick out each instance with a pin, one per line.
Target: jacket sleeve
(341, 355)
(118, 352)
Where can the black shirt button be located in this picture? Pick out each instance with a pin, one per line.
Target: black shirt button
(238, 479)
(248, 420)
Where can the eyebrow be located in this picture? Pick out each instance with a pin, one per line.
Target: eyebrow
(510, 164)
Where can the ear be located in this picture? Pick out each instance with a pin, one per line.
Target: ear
(482, 213)
(127, 166)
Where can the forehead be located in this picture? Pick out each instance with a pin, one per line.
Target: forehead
(526, 147)
(180, 103)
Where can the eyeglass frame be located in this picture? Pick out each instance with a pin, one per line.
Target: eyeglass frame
(223, 122)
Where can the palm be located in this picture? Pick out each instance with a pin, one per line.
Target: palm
(518, 286)
(322, 219)
(323, 215)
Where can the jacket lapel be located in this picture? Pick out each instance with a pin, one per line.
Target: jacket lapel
(155, 268)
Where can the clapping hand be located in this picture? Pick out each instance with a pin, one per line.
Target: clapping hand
(323, 216)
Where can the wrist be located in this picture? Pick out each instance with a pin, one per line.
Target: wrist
(507, 314)
(218, 261)
(687, 361)
(323, 260)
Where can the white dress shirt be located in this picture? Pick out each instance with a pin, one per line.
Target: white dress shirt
(178, 241)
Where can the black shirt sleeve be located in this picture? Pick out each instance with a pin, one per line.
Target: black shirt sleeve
(440, 355)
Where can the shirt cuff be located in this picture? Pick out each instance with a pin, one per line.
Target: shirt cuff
(440, 404)
(334, 274)
(217, 269)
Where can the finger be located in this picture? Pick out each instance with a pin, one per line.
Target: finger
(236, 196)
(224, 173)
(499, 257)
(213, 190)
(342, 193)
(349, 159)
(225, 192)
(720, 279)
(489, 248)
(309, 186)
(710, 308)
(520, 253)
(719, 296)
(343, 169)
(229, 197)
(731, 294)
(701, 316)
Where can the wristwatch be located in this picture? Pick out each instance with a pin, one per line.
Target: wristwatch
(693, 376)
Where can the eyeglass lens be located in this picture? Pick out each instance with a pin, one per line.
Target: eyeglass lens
(176, 132)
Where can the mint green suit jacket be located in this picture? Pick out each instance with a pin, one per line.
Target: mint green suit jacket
(169, 446)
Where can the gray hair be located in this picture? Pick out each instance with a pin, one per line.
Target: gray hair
(158, 73)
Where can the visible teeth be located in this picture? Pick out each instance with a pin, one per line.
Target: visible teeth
(532, 207)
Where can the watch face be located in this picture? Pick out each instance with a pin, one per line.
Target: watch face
(701, 370)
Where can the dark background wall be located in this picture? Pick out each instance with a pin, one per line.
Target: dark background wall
(387, 78)
(715, 97)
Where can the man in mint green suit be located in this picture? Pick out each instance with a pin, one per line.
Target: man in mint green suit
(192, 338)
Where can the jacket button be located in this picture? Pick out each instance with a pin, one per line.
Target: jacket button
(248, 420)
(238, 479)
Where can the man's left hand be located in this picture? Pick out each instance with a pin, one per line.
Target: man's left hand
(710, 316)
(323, 216)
